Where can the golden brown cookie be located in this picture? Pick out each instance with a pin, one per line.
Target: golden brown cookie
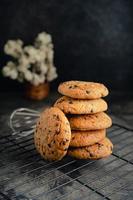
(76, 106)
(96, 151)
(86, 138)
(90, 122)
(83, 90)
(53, 134)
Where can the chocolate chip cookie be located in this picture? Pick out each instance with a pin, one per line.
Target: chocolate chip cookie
(86, 138)
(90, 122)
(53, 134)
(76, 106)
(83, 90)
(96, 151)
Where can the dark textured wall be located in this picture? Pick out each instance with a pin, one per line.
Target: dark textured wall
(93, 38)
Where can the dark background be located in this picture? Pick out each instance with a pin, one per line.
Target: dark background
(93, 39)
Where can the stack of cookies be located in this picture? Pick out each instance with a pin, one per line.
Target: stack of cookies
(88, 121)
(77, 123)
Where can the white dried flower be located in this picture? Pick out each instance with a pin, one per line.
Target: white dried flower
(13, 74)
(50, 46)
(10, 70)
(43, 68)
(33, 55)
(51, 75)
(30, 52)
(35, 79)
(32, 63)
(6, 71)
(42, 78)
(40, 55)
(50, 55)
(13, 48)
(24, 61)
(22, 68)
(43, 39)
(28, 75)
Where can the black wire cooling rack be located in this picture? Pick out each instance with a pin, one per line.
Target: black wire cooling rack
(24, 175)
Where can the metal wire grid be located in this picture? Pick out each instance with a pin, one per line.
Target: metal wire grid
(24, 175)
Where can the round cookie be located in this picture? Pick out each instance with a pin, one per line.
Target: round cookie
(76, 106)
(53, 134)
(83, 90)
(90, 122)
(96, 151)
(86, 138)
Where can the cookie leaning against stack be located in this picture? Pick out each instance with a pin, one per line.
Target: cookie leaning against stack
(87, 120)
(53, 134)
(83, 133)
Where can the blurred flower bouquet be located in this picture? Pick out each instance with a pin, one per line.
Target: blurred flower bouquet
(31, 63)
